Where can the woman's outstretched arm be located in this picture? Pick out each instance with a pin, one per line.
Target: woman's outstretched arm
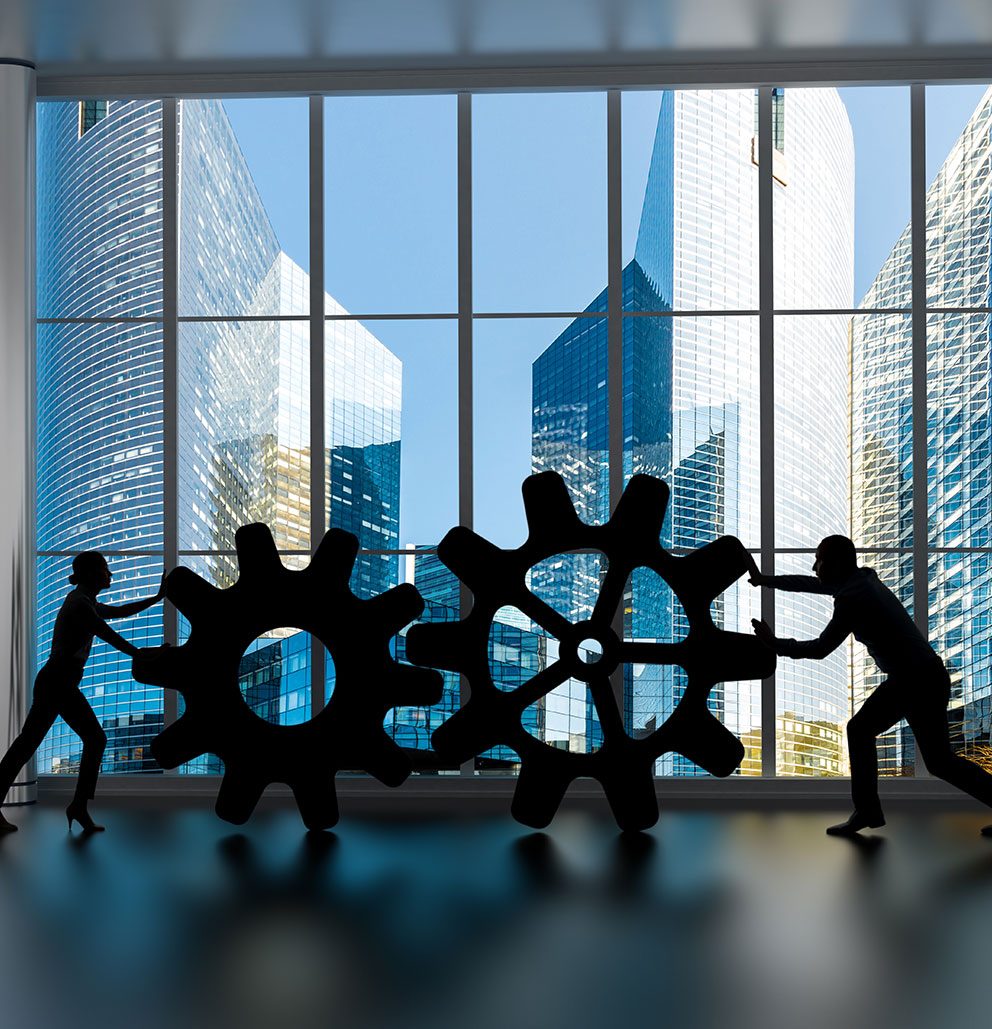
(126, 610)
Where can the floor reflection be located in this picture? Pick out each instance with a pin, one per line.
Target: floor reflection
(708, 920)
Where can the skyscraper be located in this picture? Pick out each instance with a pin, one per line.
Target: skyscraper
(959, 435)
(243, 414)
(690, 412)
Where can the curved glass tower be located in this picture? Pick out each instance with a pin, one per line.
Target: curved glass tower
(243, 397)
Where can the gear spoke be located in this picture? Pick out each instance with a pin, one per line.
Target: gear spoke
(610, 594)
(606, 707)
(545, 615)
(540, 685)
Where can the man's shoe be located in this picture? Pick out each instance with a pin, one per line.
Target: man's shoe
(856, 823)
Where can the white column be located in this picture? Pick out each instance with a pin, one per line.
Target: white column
(17, 298)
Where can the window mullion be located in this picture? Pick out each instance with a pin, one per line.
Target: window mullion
(170, 375)
(918, 197)
(766, 403)
(317, 441)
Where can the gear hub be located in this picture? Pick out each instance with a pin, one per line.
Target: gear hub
(590, 651)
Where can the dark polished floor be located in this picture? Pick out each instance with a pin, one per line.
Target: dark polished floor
(712, 919)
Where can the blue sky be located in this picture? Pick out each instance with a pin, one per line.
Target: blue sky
(539, 198)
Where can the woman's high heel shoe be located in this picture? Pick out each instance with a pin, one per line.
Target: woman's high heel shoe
(77, 812)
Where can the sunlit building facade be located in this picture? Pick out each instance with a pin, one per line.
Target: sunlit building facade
(243, 416)
(959, 434)
(690, 404)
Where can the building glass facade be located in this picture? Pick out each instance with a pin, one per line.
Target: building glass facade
(243, 395)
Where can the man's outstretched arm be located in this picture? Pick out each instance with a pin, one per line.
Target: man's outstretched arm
(833, 635)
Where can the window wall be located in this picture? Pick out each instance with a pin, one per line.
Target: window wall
(754, 294)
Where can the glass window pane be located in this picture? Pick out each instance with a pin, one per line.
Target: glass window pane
(690, 200)
(881, 431)
(813, 701)
(243, 205)
(392, 430)
(959, 435)
(959, 173)
(960, 616)
(812, 428)
(540, 402)
(130, 712)
(244, 432)
(841, 197)
(390, 205)
(100, 211)
(539, 201)
(99, 410)
(713, 399)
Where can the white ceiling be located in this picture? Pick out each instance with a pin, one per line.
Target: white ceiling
(73, 38)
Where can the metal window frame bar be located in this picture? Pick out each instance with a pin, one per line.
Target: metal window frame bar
(918, 245)
(466, 445)
(318, 491)
(766, 407)
(170, 377)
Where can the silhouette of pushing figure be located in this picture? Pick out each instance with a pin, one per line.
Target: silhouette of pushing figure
(917, 686)
(56, 687)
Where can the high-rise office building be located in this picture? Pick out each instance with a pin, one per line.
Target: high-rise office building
(243, 395)
(959, 435)
(690, 406)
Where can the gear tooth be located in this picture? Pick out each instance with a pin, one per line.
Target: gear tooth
(641, 509)
(334, 557)
(317, 802)
(238, 795)
(708, 571)
(257, 554)
(538, 794)
(437, 645)
(176, 745)
(462, 736)
(632, 798)
(549, 509)
(477, 562)
(193, 596)
(396, 607)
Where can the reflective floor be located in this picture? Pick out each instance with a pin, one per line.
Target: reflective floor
(712, 919)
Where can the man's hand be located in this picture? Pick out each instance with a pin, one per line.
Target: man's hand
(757, 579)
(763, 632)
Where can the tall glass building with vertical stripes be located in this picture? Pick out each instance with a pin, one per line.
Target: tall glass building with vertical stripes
(959, 437)
(690, 406)
(243, 397)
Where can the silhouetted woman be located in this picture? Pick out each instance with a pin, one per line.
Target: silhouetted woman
(56, 687)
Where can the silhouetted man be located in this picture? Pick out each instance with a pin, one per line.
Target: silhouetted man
(917, 686)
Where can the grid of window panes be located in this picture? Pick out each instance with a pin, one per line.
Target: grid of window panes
(392, 401)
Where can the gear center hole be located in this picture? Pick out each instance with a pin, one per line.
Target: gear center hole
(590, 651)
(274, 675)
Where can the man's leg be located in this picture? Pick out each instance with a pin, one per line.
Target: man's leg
(927, 716)
(879, 712)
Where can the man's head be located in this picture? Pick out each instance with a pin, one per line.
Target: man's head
(836, 558)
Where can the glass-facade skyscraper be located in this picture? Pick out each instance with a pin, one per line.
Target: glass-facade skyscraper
(690, 407)
(243, 395)
(959, 435)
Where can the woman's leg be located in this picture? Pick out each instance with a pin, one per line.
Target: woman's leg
(79, 716)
